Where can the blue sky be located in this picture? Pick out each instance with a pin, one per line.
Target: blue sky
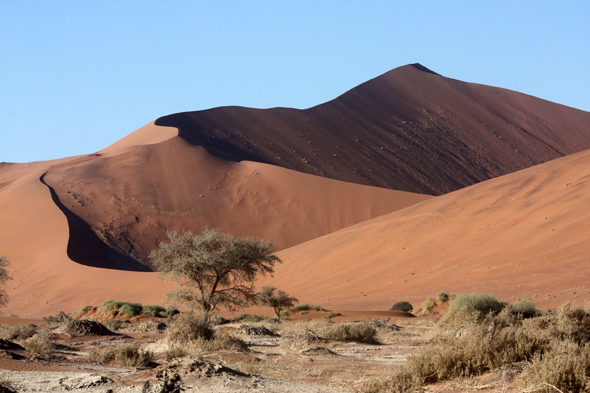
(77, 76)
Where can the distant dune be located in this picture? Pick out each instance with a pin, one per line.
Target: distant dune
(409, 129)
(520, 235)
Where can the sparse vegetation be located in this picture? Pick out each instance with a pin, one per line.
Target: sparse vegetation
(3, 278)
(359, 332)
(526, 308)
(186, 327)
(555, 348)
(442, 297)
(154, 310)
(277, 301)
(39, 343)
(249, 318)
(81, 312)
(19, 332)
(402, 306)
(115, 308)
(213, 269)
(59, 317)
(333, 315)
(466, 307)
(302, 309)
(126, 355)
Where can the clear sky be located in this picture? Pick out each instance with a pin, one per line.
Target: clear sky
(76, 76)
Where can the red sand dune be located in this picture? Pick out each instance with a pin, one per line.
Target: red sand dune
(408, 129)
(102, 210)
(520, 235)
(77, 230)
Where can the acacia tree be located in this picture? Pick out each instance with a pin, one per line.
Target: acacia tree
(213, 269)
(3, 278)
(279, 301)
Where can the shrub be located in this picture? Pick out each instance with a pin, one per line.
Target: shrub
(116, 324)
(39, 343)
(186, 327)
(222, 340)
(59, 317)
(176, 351)
(442, 297)
(360, 332)
(465, 307)
(126, 355)
(154, 310)
(278, 301)
(81, 312)
(402, 306)
(249, 318)
(172, 311)
(333, 315)
(526, 308)
(130, 309)
(19, 332)
(302, 308)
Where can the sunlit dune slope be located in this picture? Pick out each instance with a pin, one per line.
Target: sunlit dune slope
(521, 235)
(77, 231)
(409, 129)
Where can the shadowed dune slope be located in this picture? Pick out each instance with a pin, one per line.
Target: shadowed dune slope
(131, 198)
(520, 235)
(409, 129)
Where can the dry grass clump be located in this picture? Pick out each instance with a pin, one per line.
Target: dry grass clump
(81, 312)
(187, 328)
(126, 355)
(176, 351)
(39, 343)
(19, 332)
(360, 332)
(556, 345)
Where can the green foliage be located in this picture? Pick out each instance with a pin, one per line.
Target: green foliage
(249, 318)
(172, 311)
(333, 315)
(154, 310)
(213, 269)
(114, 308)
(278, 301)
(402, 306)
(59, 317)
(442, 297)
(3, 278)
(302, 309)
(526, 308)
(465, 307)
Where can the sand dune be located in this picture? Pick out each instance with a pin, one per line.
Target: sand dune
(76, 230)
(520, 235)
(409, 129)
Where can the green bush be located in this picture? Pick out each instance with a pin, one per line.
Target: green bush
(402, 306)
(114, 308)
(249, 318)
(442, 297)
(465, 307)
(154, 310)
(172, 311)
(302, 308)
(526, 308)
